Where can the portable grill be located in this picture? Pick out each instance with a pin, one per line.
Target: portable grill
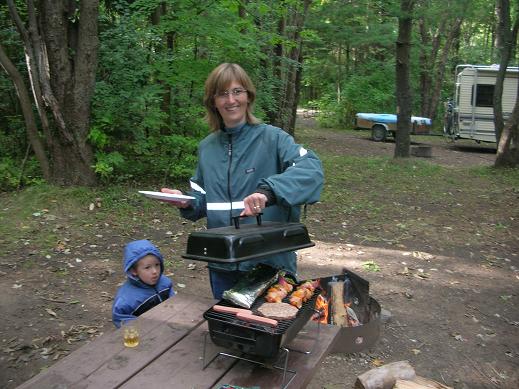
(234, 244)
(254, 339)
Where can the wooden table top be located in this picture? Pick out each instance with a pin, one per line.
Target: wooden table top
(171, 354)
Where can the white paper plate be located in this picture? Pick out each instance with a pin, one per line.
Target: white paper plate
(165, 196)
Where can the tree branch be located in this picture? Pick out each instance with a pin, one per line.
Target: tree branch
(25, 103)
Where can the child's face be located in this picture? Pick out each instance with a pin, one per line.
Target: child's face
(147, 269)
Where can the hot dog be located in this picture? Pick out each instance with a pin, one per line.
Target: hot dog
(233, 310)
(257, 319)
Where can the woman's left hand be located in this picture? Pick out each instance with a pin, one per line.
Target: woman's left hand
(254, 204)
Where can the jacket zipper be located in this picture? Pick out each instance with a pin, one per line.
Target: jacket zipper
(157, 292)
(229, 154)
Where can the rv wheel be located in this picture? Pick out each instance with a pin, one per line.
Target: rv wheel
(378, 133)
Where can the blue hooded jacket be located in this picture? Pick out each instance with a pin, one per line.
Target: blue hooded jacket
(135, 297)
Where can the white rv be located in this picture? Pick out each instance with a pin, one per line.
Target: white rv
(471, 114)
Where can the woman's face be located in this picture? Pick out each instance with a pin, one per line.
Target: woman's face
(232, 104)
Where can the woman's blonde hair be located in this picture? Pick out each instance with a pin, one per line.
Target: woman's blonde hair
(218, 81)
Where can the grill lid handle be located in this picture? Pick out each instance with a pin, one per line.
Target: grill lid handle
(236, 220)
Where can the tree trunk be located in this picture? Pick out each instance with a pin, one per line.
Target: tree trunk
(403, 90)
(275, 115)
(428, 63)
(289, 72)
(61, 44)
(508, 145)
(25, 103)
(506, 39)
(425, 76)
(167, 45)
(453, 35)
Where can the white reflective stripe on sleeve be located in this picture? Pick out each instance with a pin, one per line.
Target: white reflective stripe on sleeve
(302, 151)
(196, 187)
(225, 206)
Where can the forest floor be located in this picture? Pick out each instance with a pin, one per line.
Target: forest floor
(451, 286)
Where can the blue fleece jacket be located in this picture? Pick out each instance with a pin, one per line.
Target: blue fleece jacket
(135, 297)
(234, 162)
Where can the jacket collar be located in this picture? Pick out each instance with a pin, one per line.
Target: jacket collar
(235, 130)
(136, 281)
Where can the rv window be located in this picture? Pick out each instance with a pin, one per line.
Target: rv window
(484, 95)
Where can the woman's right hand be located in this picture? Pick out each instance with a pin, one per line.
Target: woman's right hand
(176, 203)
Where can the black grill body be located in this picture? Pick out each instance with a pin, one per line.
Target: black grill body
(256, 339)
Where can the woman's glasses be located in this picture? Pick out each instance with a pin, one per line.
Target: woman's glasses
(233, 92)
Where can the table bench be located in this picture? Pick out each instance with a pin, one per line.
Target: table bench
(171, 354)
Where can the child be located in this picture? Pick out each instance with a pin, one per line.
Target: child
(145, 287)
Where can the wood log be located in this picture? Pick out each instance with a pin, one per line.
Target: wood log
(385, 377)
(338, 310)
(419, 383)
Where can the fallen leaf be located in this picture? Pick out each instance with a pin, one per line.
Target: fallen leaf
(17, 286)
(181, 285)
(422, 255)
(51, 312)
(377, 362)
(458, 337)
(415, 351)
(47, 350)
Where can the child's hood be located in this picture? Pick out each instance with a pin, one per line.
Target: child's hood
(136, 250)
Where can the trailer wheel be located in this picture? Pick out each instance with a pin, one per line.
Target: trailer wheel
(378, 133)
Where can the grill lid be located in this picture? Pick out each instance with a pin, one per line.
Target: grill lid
(249, 241)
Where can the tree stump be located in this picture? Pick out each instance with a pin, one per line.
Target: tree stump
(422, 151)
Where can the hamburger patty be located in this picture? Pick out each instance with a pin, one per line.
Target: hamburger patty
(280, 311)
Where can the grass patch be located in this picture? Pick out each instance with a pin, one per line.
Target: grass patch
(370, 266)
(40, 216)
(362, 183)
(383, 201)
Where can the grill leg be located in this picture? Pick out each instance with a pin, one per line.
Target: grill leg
(285, 369)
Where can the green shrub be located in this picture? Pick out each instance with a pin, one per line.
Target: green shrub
(12, 177)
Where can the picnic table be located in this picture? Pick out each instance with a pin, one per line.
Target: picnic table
(176, 352)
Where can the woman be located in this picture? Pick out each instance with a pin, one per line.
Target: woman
(245, 168)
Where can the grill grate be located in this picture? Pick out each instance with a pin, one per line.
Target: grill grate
(282, 326)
